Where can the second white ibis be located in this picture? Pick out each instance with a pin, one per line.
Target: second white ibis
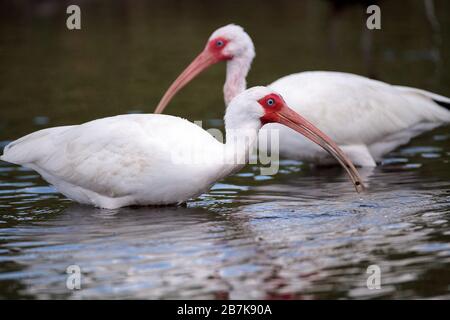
(365, 117)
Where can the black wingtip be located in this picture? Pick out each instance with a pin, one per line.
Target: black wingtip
(446, 105)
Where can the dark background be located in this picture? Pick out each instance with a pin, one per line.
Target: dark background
(128, 52)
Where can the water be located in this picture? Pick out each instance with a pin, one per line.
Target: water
(303, 234)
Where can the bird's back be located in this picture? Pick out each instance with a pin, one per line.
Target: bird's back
(357, 110)
(115, 156)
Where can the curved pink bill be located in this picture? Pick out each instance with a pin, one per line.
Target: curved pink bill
(203, 61)
(293, 120)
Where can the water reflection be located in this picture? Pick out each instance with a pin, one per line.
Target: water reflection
(302, 235)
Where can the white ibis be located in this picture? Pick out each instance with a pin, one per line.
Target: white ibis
(132, 159)
(366, 118)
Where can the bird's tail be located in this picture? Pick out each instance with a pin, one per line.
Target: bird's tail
(438, 99)
(443, 103)
(30, 147)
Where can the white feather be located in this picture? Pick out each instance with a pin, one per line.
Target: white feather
(133, 159)
(366, 117)
(355, 111)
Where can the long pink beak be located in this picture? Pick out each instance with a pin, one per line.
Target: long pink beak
(203, 61)
(293, 120)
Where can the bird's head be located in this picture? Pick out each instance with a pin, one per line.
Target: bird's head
(227, 43)
(261, 105)
(230, 42)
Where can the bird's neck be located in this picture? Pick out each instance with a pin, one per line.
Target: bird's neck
(235, 83)
(241, 138)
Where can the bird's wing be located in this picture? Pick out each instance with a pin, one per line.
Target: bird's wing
(356, 110)
(109, 156)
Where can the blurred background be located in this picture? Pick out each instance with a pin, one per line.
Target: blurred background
(128, 52)
(302, 234)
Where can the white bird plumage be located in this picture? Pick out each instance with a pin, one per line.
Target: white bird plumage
(132, 159)
(365, 117)
(116, 161)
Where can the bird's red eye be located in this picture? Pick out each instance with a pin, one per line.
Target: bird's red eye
(217, 47)
(218, 44)
(270, 102)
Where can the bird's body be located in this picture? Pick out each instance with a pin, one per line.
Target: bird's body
(367, 118)
(122, 160)
(154, 159)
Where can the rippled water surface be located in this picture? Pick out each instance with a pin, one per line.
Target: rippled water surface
(302, 234)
